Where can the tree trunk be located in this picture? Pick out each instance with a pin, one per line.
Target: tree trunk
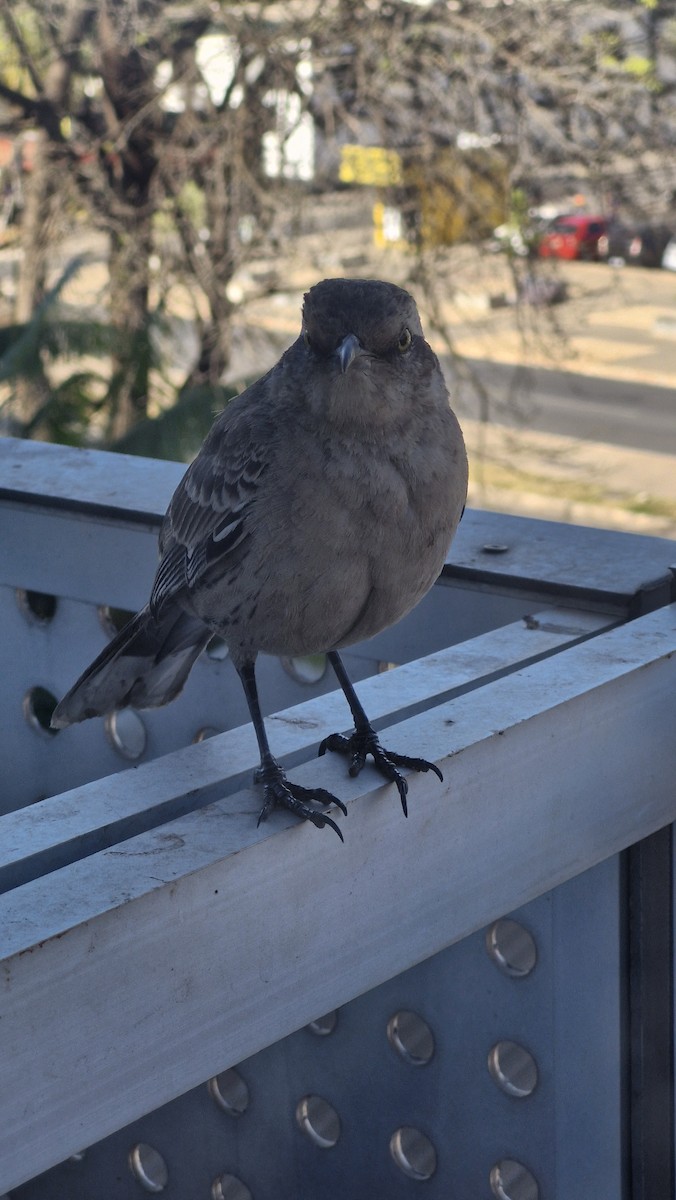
(129, 317)
(42, 186)
(215, 345)
(32, 389)
(134, 123)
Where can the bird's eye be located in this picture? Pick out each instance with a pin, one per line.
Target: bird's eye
(405, 340)
(306, 339)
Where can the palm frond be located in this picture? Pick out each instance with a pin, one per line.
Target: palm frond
(177, 433)
(21, 344)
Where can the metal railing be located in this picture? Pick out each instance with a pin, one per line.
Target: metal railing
(478, 998)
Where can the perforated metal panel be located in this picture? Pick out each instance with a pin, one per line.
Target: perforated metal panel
(350, 1107)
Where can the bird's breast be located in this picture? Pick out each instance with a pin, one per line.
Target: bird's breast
(345, 546)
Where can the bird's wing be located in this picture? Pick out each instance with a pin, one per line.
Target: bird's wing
(207, 518)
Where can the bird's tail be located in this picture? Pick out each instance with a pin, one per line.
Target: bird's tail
(146, 665)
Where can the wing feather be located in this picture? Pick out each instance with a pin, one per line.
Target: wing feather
(207, 519)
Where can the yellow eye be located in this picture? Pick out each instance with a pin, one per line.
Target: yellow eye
(405, 340)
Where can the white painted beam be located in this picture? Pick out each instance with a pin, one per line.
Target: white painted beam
(136, 973)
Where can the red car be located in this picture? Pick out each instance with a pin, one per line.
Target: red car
(573, 236)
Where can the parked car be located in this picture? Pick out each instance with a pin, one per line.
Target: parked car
(637, 245)
(669, 256)
(572, 236)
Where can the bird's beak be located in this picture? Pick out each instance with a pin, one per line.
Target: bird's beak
(348, 350)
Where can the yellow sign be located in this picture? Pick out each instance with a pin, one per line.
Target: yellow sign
(371, 165)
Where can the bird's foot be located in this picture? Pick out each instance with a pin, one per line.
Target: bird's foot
(280, 793)
(365, 741)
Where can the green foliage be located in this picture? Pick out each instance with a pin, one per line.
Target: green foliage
(75, 406)
(20, 344)
(64, 409)
(519, 205)
(192, 202)
(37, 353)
(31, 30)
(177, 433)
(65, 417)
(635, 66)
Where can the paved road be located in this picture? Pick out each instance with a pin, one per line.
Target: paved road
(639, 415)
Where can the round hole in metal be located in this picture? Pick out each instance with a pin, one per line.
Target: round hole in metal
(319, 1121)
(113, 619)
(309, 668)
(325, 1025)
(513, 1068)
(38, 706)
(217, 648)
(126, 733)
(229, 1187)
(411, 1037)
(510, 1180)
(511, 947)
(413, 1153)
(230, 1092)
(202, 735)
(147, 1165)
(37, 607)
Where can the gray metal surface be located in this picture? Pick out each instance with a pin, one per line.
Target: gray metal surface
(521, 1078)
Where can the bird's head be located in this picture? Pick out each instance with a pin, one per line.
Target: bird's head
(363, 350)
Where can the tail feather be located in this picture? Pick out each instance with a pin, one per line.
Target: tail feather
(146, 666)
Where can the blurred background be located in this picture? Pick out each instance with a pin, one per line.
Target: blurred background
(174, 176)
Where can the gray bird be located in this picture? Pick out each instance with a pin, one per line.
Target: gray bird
(319, 511)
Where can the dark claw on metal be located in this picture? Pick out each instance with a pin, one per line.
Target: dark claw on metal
(363, 742)
(281, 793)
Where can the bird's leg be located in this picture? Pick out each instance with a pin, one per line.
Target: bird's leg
(365, 741)
(279, 791)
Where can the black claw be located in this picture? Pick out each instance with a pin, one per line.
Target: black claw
(334, 741)
(414, 764)
(402, 795)
(365, 741)
(319, 820)
(281, 793)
